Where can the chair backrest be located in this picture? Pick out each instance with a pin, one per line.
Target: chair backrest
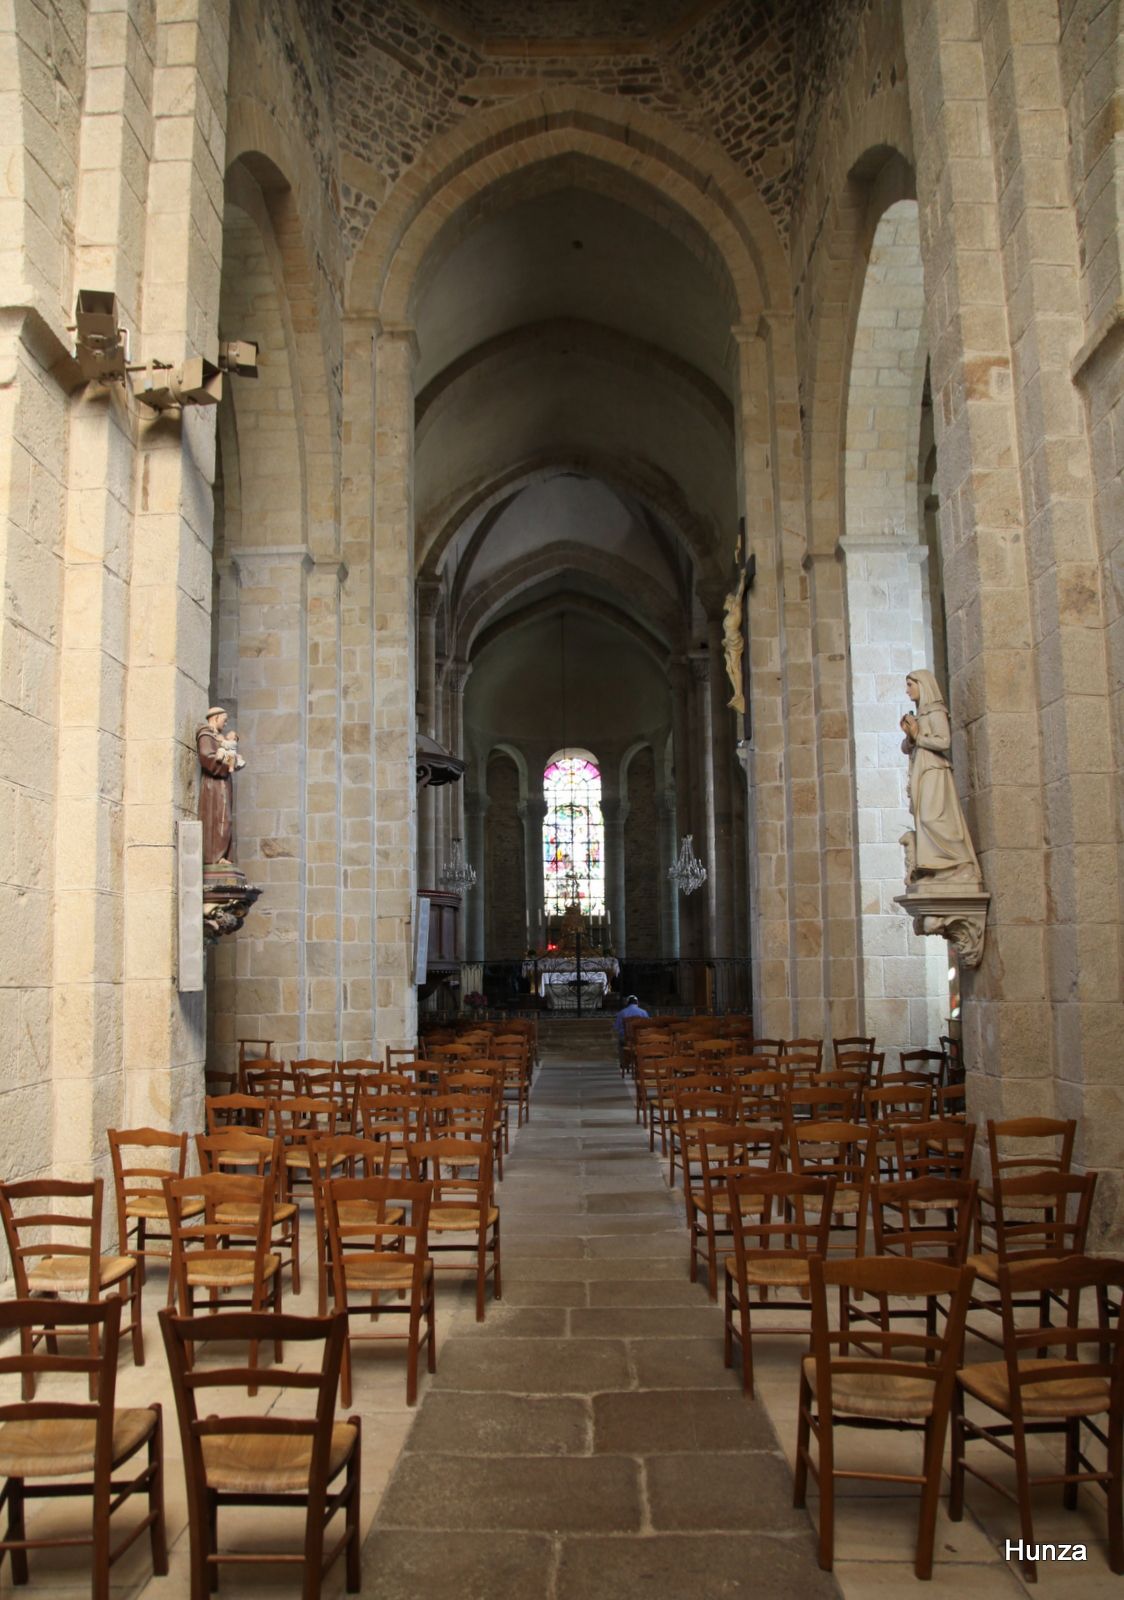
(231, 1110)
(800, 1065)
(929, 1065)
(820, 1102)
(250, 1050)
(938, 1149)
(397, 1117)
(461, 1116)
(854, 1042)
(239, 1150)
(952, 1100)
(97, 1361)
(302, 1117)
(932, 1217)
(207, 1240)
(899, 1350)
(364, 1064)
(200, 1422)
(1100, 1280)
(890, 1104)
(869, 1062)
(770, 1215)
(1030, 1144)
(53, 1217)
(140, 1176)
(458, 1171)
(762, 1095)
(722, 1151)
(392, 1225)
(1043, 1214)
(805, 1047)
(269, 1081)
(830, 1149)
(764, 1047)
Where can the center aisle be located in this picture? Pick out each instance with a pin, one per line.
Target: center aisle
(586, 1440)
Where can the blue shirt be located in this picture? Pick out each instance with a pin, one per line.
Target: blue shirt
(622, 1017)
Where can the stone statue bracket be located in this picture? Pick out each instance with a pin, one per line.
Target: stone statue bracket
(227, 901)
(951, 908)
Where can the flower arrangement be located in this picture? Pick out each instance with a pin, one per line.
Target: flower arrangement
(476, 1000)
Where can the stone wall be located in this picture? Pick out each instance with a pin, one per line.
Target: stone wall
(503, 867)
(644, 873)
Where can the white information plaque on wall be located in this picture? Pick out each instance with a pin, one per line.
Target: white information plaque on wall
(421, 939)
(189, 907)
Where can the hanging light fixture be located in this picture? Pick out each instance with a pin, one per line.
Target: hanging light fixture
(456, 875)
(688, 873)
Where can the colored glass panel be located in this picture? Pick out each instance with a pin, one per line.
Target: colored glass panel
(573, 836)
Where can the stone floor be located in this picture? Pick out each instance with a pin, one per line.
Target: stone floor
(586, 1439)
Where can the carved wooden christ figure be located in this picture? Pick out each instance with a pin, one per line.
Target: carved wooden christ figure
(218, 759)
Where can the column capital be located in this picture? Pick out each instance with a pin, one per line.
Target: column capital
(402, 334)
(699, 663)
(457, 674)
(476, 805)
(430, 591)
(615, 812)
(533, 810)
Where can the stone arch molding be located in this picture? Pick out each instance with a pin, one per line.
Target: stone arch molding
(686, 170)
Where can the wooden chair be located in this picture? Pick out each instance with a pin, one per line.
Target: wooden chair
(270, 1082)
(837, 1150)
(1030, 1144)
(295, 1121)
(70, 1265)
(703, 1098)
(204, 1256)
(1039, 1216)
(938, 1149)
(820, 1102)
(721, 1153)
(241, 1150)
(764, 1047)
(771, 1252)
(762, 1096)
(280, 1459)
(1037, 1392)
(486, 1084)
(926, 1066)
(139, 1190)
(929, 1219)
(396, 1119)
(952, 1100)
(382, 1251)
(342, 1155)
(805, 1047)
(908, 1383)
(800, 1066)
(853, 1043)
(236, 1111)
(462, 1202)
(61, 1438)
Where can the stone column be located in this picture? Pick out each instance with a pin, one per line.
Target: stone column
(329, 932)
(703, 807)
(669, 895)
(721, 760)
(533, 813)
(457, 674)
(394, 718)
(689, 922)
(429, 599)
(615, 815)
(475, 811)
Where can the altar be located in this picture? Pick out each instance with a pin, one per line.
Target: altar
(555, 978)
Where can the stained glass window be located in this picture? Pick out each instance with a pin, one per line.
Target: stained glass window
(573, 835)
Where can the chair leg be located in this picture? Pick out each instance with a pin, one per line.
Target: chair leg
(1022, 1482)
(212, 1568)
(827, 1493)
(135, 1298)
(158, 1531)
(99, 1554)
(352, 1558)
(956, 1471)
(1115, 1496)
(930, 1496)
(345, 1369)
(412, 1357)
(295, 1241)
(1072, 1464)
(431, 1331)
(17, 1529)
(803, 1445)
(497, 1280)
(278, 1344)
(727, 1322)
(481, 1271)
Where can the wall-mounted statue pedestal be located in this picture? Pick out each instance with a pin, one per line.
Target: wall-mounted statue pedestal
(953, 911)
(227, 899)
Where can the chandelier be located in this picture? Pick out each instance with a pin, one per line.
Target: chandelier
(456, 875)
(688, 873)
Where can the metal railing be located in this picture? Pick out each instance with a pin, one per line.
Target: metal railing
(715, 984)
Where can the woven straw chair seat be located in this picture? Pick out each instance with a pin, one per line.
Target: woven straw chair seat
(875, 1394)
(269, 1463)
(71, 1274)
(845, 1202)
(381, 1272)
(240, 1211)
(368, 1211)
(778, 1271)
(720, 1203)
(458, 1219)
(62, 1447)
(152, 1207)
(1077, 1396)
(218, 1272)
(987, 1265)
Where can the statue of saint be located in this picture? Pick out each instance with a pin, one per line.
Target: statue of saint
(733, 641)
(940, 845)
(218, 758)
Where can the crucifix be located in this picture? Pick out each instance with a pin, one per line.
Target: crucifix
(735, 631)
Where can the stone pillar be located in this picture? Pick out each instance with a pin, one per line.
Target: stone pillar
(394, 721)
(533, 814)
(475, 811)
(429, 598)
(457, 674)
(689, 941)
(170, 576)
(669, 894)
(615, 815)
(329, 932)
(721, 769)
(703, 803)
